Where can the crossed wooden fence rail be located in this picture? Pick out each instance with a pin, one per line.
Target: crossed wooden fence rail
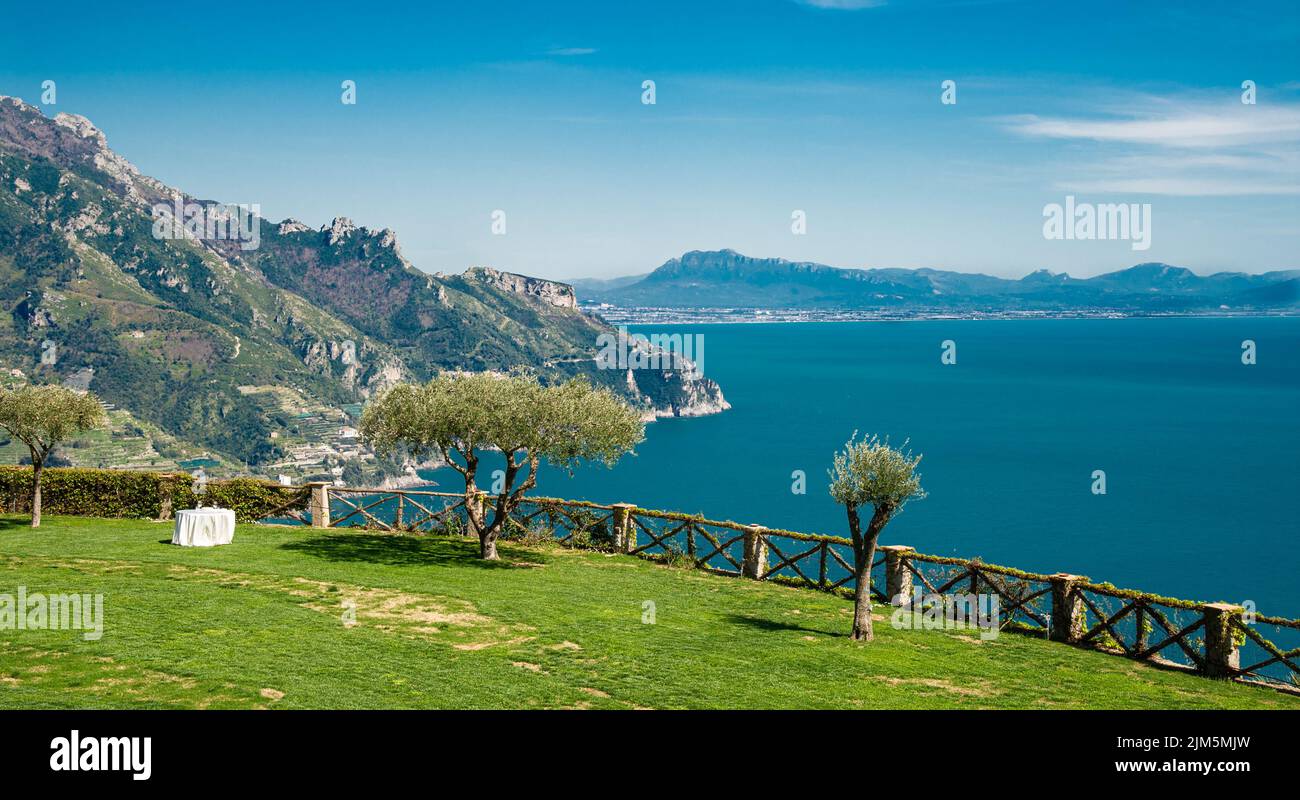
(411, 511)
(1208, 638)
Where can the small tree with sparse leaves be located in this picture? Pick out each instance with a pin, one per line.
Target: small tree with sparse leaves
(458, 415)
(42, 417)
(870, 472)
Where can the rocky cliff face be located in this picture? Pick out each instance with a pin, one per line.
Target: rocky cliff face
(560, 295)
(73, 141)
(170, 327)
(217, 343)
(483, 319)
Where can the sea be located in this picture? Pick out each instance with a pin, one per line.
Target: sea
(1197, 449)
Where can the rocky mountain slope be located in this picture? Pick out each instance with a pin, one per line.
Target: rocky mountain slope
(231, 347)
(728, 279)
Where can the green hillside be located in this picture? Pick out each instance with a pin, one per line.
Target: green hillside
(297, 618)
(225, 348)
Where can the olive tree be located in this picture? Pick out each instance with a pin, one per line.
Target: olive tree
(457, 416)
(42, 417)
(870, 472)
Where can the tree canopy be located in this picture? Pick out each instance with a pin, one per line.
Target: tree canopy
(460, 413)
(42, 416)
(870, 472)
(457, 415)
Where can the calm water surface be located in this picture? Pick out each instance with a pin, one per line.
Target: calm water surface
(1200, 451)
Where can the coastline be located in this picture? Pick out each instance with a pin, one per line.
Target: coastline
(749, 316)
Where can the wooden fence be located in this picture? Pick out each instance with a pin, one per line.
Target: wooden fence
(1214, 639)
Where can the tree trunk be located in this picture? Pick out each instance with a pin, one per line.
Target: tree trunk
(473, 512)
(473, 516)
(864, 553)
(38, 466)
(507, 501)
(862, 602)
(487, 533)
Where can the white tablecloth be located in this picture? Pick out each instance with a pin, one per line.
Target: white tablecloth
(204, 527)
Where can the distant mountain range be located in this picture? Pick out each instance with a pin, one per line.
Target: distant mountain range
(725, 278)
(253, 353)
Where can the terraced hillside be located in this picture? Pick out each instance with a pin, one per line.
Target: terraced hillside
(174, 325)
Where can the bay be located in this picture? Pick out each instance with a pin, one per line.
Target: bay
(1199, 450)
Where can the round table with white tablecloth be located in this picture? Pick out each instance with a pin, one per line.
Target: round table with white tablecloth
(204, 527)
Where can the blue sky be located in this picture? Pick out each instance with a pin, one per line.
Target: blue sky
(762, 107)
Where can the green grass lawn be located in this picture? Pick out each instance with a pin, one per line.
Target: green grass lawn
(265, 623)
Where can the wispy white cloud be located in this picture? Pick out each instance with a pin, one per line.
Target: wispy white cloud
(1183, 187)
(1229, 125)
(843, 5)
(1174, 146)
(570, 51)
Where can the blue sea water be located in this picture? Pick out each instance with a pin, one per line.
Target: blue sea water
(1199, 450)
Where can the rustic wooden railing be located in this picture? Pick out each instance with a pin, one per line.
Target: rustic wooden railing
(1214, 639)
(1024, 598)
(1265, 660)
(398, 510)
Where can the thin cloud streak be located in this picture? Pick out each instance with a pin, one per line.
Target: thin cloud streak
(1163, 146)
(1179, 187)
(1190, 129)
(842, 5)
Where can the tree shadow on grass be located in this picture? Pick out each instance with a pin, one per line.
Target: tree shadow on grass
(395, 551)
(765, 624)
(11, 523)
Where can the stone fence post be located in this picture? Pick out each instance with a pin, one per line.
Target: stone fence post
(1069, 615)
(898, 578)
(624, 528)
(755, 558)
(167, 493)
(1222, 655)
(319, 507)
(168, 485)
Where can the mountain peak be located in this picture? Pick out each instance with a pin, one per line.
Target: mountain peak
(19, 103)
(725, 260)
(339, 229)
(71, 140)
(82, 127)
(292, 225)
(1149, 277)
(1158, 268)
(329, 315)
(1045, 276)
(552, 292)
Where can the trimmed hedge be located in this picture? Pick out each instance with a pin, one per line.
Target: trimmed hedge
(153, 495)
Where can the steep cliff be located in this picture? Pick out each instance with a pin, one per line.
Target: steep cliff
(227, 330)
